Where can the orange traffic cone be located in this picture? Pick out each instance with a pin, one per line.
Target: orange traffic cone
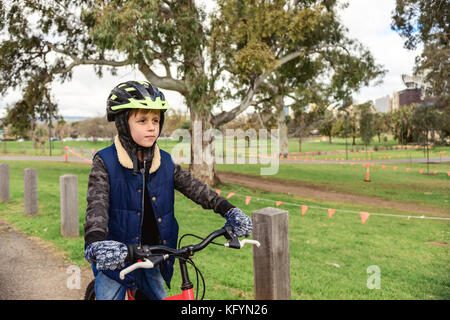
(367, 174)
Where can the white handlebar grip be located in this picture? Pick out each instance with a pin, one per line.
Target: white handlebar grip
(243, 242)
(147, 264)
(255, 242)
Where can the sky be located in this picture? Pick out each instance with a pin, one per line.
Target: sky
(368, 21)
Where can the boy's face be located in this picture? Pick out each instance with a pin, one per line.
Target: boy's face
(144, 127)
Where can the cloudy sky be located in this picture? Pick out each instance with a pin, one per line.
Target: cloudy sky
(367, 20)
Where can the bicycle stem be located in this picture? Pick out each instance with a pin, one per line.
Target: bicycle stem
(186, 283)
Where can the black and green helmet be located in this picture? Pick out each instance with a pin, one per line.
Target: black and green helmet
(134, 95)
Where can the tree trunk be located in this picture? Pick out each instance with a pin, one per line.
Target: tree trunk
(33, 135)
(283, 129)
(203, 162)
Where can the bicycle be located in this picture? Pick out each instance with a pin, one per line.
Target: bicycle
(151, 256)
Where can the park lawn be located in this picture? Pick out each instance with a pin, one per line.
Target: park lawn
(314, 144)
(321, 143)
(386, 183)
(329, 257)
(398, 246)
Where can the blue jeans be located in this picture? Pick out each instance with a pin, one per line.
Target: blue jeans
(149, 281)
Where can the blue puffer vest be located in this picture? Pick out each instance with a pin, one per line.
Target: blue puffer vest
(126, 206)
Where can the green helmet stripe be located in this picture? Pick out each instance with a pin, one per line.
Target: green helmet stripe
(148, 103)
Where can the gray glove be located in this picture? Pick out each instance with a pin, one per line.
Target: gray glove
(239, 222)
(107, 255)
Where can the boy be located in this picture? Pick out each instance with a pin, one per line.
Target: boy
(131, 195)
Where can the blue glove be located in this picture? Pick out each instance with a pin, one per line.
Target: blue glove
(108, 255)
(239, 222)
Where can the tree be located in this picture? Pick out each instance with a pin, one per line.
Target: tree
(61, 128)
(379, 124)
(366, 126)
(96, 128)
(330, 65)
(174, 119)
(427, 22)
(305, 118)
(425, 121)
(444, 130)
(326, 126)
(402, 125)
(347, 124)
(172, 43)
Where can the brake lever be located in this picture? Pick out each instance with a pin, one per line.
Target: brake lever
(233, 241)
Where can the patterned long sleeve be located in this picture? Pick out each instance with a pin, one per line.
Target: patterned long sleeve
(199, 192)
(96, 225)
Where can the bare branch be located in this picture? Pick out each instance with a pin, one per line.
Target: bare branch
(78, 61)
(163, 82)
(167, 83)
(104, 62)
(227, 116)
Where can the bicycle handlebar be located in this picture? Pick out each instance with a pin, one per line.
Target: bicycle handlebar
(154, 255)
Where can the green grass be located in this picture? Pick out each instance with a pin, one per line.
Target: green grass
(314, 144)
(387, 183)
(410, 267)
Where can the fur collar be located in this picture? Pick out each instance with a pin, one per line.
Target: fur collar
(125, 159)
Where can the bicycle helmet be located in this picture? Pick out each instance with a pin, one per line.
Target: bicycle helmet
(134, 95)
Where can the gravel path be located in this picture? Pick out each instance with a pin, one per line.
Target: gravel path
(31, 270)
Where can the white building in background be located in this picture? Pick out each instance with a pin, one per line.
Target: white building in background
(416, 82)
(414, 92)
(383, 104)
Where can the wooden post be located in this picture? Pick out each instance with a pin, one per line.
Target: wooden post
(30, 191)
(69, 205)
(4, 182)
(271, 262)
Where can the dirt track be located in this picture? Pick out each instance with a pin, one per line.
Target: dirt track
(30, 270)
(278, 186)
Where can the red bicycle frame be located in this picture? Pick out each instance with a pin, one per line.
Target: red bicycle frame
(185, 295)
(187, 292)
